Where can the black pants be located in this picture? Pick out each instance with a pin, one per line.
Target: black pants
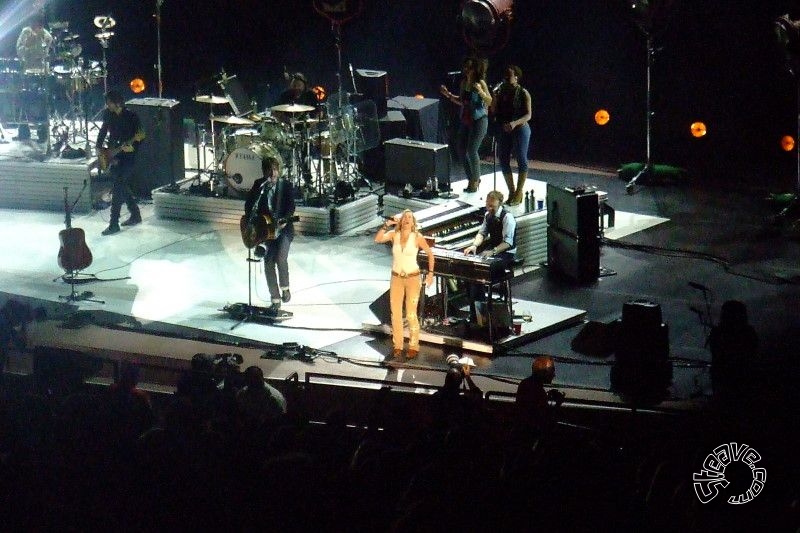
(277, 258)
(121, 192)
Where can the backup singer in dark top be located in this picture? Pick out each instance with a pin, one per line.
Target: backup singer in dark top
(511, 106)
(277, 201)
(124, 132)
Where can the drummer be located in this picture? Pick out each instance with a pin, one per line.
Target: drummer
(33, 47)
(298, 92)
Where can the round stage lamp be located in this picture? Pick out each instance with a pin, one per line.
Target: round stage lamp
(320, 92)
(419, 97)
(137, 85)
(483, 21)
(787, 143)
(698, 129)
(602, 117)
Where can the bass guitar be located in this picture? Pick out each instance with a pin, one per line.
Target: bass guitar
(73, 255)
(106, 157)
(261, 228)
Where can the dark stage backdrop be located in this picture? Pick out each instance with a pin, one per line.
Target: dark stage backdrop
(716, 62)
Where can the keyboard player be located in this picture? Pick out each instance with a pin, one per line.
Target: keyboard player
(496, 237)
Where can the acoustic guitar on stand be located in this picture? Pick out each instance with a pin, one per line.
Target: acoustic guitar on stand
(106, 157)
(74, 255)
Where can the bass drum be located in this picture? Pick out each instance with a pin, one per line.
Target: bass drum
(243, 165)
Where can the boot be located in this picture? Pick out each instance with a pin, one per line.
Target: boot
(520, 190)
(510, 184)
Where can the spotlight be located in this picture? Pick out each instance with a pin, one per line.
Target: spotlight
(137, 85)
(698, 129)
(320, 92)
(602, 117)
(485, 22)
(787, 143)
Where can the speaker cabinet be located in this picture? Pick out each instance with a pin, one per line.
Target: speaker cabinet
(573, 211)
(160, 157)
(374, 160)
(416, 162)
(577, 258)
(375, 86)
(422, 115)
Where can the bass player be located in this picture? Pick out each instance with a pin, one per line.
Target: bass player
(272, 197)
(124, 131)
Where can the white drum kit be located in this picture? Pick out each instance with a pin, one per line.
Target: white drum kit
(290, 133)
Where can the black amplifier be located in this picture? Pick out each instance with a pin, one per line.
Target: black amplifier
(416, 162)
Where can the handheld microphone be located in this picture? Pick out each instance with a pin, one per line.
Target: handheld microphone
(454, 73)
(497, 87)
(698, 286)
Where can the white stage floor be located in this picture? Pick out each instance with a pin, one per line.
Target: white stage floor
(183, 273)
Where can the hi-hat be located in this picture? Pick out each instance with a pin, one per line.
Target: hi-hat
(104, 35)
(234, 120)
(292, 108)
(104, 22)
(210, 99)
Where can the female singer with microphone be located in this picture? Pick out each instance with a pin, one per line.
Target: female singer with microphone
(511, 108)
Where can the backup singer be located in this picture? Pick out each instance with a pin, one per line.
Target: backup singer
(124, 131)
(495, 238)
(511, 107)
(404, 288)
(474, 98)
(33, 47)
(277, 201)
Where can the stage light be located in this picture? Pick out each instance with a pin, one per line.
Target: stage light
(137, 85)
(484, 21)
(787, 143)
(698, 129)
(602, 117)
(419, 97)
(320, 92)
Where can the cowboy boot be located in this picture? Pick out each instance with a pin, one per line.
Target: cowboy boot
(520, 190)
(510, 184)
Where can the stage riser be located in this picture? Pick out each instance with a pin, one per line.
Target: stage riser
(34, 185)
(333, 220)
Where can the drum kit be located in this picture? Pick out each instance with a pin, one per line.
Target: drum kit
(54, 90)
(312, 156)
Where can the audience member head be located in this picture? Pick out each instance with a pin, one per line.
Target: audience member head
(453, 378)
(733, 315)
(253, 377)
(128, 375)
(543, 369)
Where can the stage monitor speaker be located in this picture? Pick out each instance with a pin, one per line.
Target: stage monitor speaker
(422, 115)
(374, 85)
(577, 258)
(416, 162)
(159, 160)
(573, 210)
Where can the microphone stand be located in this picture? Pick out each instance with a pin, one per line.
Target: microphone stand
(159, 3)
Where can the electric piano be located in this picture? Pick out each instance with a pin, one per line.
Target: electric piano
(474, 268)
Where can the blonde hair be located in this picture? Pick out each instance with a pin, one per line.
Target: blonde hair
(413, 219)
(495, 195)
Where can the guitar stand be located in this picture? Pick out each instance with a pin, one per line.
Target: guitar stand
(71, 277)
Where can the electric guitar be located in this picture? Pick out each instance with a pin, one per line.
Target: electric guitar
(73, 255)
(107, 156)
(262, 228)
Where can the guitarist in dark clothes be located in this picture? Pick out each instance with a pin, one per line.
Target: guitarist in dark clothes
(274, 196)
(124, 133)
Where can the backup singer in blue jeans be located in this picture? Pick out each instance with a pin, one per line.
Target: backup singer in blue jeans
(474, 99)
(511, 107)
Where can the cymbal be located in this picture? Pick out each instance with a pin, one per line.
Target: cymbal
(232, 119)
(58, 25)
(104, 35)
(292, 108)
(104, 22)
(210, 99)
(71, 37)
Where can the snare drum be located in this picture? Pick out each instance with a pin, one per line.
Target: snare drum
(243, 165)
